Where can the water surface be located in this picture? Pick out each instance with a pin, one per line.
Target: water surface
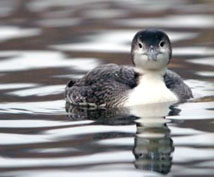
(44, 43)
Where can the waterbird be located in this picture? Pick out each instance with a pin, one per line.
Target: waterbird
(149, 81)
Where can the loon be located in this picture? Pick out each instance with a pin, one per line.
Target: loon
(148, 82)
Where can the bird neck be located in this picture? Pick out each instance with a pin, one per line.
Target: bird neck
(152, 73)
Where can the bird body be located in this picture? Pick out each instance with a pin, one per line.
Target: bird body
(111, 85)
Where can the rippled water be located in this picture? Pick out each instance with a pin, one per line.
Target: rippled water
(44, 43)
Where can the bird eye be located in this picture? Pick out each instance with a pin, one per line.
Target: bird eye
(162, 43)
(140, 45)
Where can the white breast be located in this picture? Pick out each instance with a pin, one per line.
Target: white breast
(151, 89)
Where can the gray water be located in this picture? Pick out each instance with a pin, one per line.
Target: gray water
(44, 43)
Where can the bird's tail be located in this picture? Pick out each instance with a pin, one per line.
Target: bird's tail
(71, 83)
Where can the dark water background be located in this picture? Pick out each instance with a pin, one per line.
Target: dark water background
(44, 43)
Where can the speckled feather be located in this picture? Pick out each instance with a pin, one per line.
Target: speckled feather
(176, 84)
(108, 85)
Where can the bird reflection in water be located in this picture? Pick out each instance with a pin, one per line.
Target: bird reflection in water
(153, 145)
